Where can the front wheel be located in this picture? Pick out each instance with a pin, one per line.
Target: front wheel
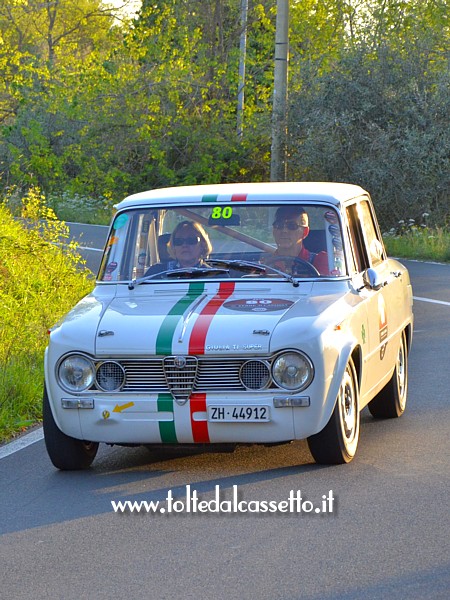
(65, 452)
(391, 401)
(337, 442)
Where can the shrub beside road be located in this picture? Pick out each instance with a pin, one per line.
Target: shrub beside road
(39, 282)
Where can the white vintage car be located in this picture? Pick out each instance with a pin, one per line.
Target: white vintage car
(227, 314)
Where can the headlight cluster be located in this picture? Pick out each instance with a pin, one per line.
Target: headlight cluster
(291, 371)
(77, 373)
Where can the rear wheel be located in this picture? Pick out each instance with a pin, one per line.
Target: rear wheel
(391, 401)
(338, 440)
(65, 452)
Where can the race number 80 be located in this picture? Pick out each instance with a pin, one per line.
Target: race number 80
(222, 212)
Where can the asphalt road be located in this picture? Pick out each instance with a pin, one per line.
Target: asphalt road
(388, 537)
(91, 240)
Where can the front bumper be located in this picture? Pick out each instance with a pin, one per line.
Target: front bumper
(140, 419)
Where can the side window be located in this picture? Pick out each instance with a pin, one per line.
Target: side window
(131, 246)
(367, 247)
(374, 244)
(112, 262)
(361, 260)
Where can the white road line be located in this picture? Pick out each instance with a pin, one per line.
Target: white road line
(26, 440)
(431, 300)
(85, 224)
(422, 262)
(88, 248)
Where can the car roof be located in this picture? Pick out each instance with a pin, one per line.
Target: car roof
(269, 192)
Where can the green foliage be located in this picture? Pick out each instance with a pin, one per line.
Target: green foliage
(40, 280)
(380, 117)
(95, 107)
(81, 209)
(419, 242)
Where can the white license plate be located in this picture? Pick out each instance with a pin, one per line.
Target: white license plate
(229, 413)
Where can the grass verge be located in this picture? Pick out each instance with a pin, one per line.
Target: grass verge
(40, 280)
(420, 244)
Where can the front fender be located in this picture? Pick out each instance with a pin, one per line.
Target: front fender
(346, 350)
(68, 421)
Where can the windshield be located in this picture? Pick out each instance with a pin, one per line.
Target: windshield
(223, 241)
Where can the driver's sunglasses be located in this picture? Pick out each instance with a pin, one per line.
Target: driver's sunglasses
(290, 225)
(189, 241)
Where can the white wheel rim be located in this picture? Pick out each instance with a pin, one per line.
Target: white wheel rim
(348, 411)
(401, 377)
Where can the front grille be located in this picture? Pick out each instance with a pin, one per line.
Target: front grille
(144, 376)
(213, 375)
(180, 373)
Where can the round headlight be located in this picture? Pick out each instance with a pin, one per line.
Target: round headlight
(292, 371)
(76, 373)
(110, 376)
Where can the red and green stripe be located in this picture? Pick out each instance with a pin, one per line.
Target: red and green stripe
(234, 198)
(197, 341)
(174, 316)
(197, 346)
(164, 347)
(200, 329)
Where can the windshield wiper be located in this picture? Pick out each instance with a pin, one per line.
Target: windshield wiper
(243, 265)
(287, 276)
(196, 272)
(188, 272)
(239, 265)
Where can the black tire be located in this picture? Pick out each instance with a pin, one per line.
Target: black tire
(336, 444)
(390, 403)
(65, 452)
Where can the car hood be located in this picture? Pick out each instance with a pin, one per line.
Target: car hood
(202, 320)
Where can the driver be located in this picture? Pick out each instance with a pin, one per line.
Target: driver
(290, 228)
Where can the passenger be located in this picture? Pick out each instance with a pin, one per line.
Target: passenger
(290, 228)
(188, 246)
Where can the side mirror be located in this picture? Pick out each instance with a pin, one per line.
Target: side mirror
(372, 280)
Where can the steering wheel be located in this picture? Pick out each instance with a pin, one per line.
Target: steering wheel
(303, 266)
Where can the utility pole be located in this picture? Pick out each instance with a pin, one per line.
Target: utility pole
(278, 160)
(242, 56)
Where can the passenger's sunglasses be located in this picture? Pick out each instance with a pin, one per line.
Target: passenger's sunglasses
(189, 241)
(290, 225)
